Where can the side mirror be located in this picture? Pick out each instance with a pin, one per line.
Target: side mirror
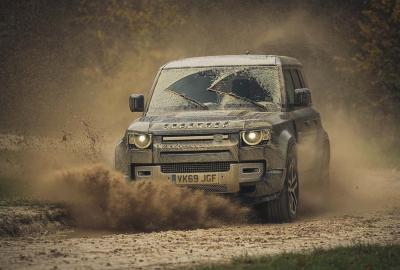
(302, 97)
(136, 103)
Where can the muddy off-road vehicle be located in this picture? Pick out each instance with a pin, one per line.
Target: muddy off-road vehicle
(239, 125)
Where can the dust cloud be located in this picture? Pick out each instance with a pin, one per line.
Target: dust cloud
(97, 113)
(99, 198)
(361, 176)
(359, 179)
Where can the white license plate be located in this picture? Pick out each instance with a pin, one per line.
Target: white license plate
(195, 178)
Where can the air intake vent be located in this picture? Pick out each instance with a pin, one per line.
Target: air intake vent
(198, 167)
(209, 188)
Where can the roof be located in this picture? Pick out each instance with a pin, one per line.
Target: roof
(233, 60)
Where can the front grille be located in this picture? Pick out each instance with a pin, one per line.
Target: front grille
(197, 167)
(209, 188)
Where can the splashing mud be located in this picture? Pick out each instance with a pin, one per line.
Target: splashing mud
(80, 122)
(99, 198)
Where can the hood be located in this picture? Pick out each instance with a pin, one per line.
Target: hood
(204, 121)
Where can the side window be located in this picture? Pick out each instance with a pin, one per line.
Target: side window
(296, 79)
(289, 86)
(303, 83)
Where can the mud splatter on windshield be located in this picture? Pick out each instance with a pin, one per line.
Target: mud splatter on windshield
(218, 88)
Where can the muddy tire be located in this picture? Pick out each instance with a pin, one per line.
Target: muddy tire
(284, 208)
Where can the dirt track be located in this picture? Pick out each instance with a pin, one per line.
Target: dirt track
(85, 250)
(365, 209)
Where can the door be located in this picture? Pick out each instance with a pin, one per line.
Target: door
(306, 120)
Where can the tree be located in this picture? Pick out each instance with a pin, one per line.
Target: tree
(111, 28)
(378, 57)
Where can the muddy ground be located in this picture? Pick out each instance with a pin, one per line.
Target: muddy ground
(362, 207)
(22, 218)
(353, 220)
(169, 249)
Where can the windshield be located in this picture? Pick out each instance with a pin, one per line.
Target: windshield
(217, 88)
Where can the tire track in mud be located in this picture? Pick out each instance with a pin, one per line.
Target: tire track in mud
(157, 250)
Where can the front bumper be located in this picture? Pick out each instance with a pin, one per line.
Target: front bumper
(227, 181)
(253, 173)
(250, 182)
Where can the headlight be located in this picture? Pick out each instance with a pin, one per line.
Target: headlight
(141, 141)
(254, 137)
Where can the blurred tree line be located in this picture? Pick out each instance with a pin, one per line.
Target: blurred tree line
(59, 59)
(377, 56)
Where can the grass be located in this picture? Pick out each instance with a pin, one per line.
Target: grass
(363, 257)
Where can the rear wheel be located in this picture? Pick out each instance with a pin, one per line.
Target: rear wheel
(284, 208)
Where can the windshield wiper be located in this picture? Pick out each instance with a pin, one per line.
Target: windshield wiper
(238, 97)
(188, 98)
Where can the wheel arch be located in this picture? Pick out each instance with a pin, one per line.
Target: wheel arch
(327, 144)
(120, 157)
(286, 141)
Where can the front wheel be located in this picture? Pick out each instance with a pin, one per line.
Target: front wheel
(284, 208)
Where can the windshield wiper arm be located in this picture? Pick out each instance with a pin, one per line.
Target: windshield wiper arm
(238, 97)
(188, 98)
